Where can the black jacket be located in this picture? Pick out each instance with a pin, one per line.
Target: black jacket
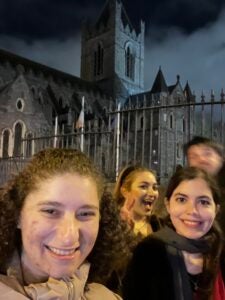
(149, 274)
(114, 283)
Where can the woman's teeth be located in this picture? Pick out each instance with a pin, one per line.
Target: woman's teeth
(148, 202)
(61, 251)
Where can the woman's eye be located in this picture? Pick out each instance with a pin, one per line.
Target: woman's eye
(180, 199)
(155, 187)
(204, 202)
(144, 187)
(50, 211)
(87, 214)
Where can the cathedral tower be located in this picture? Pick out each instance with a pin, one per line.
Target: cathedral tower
(112, 53)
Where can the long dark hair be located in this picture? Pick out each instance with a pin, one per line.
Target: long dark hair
(214, 236)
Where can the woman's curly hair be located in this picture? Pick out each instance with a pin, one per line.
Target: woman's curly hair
(44, 165)
(114, 244)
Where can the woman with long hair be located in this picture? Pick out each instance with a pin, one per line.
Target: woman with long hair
(182, 260)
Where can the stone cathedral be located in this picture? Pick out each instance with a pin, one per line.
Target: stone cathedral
(112, 71)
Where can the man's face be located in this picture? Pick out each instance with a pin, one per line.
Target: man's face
(205, 158)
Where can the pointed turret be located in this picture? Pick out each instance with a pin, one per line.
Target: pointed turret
(107, 14)
(159, 84)
(188, 93)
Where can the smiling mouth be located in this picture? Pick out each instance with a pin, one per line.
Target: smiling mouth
(62, 252)
(192, 223)
(147, 202)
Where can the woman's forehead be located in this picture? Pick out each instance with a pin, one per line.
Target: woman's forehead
(144, 176)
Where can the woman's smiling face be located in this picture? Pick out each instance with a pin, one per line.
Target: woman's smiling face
(59, 224)
(143, 192)
(191, 208)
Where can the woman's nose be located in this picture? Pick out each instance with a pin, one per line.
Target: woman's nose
(68, 230)
(151, 191)
(192, 208)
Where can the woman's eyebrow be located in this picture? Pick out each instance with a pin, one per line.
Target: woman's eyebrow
(180, 194)
(205, 196)
(59, 204)
(147, 182)
(49, 202)
(90, 206)
(200, 196)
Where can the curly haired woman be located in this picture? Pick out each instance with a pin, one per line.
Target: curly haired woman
(58, 230)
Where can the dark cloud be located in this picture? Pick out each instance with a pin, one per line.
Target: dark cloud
(61, 19)
(188, 15)
(197, 57)
(41, 19)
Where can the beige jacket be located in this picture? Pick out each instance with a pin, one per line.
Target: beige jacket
(75, 288)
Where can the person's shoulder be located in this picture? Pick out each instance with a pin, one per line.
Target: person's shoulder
(151, 251)
(151, 242)
(96, 291)
(8, 293)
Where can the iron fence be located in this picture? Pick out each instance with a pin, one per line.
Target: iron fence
(152, 134)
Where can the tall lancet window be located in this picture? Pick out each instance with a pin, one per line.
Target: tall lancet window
(98, 60)
(129, 63)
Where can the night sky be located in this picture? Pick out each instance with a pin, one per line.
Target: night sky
(185, 37)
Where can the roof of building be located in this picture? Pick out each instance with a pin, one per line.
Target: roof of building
(159, 84)
(188, 93)
(24, 64)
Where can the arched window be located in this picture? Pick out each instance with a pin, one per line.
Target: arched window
(5, 151)
(129, 63)
(17, 140)
(98, 60)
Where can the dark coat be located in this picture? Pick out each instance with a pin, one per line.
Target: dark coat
(114, 283)
(149, 274)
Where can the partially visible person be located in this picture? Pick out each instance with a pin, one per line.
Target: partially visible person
(54, 226)
(205, 154)
(136, 191)
(208, 155)
(185, 259)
